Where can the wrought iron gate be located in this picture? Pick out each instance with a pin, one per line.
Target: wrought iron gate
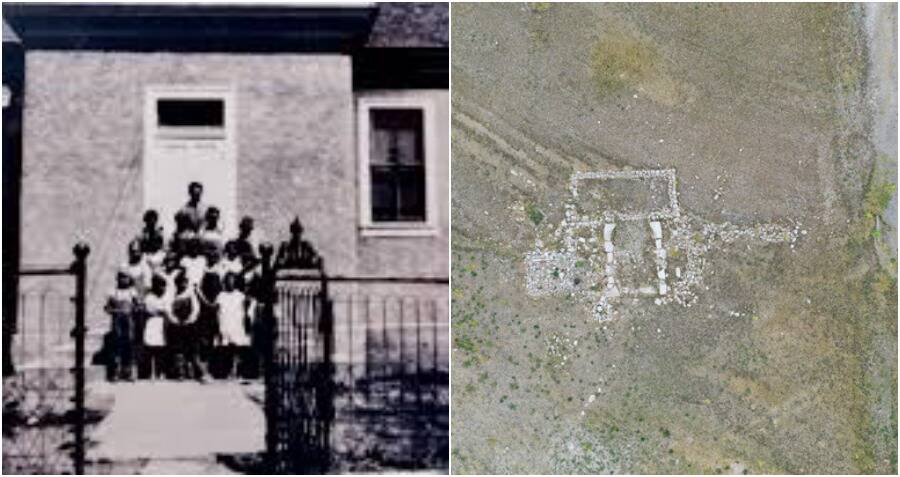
(298, 368)
(43, 382)
(356, 369)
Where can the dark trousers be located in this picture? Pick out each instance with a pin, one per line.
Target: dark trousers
(183, 359)
(122, 341)
(153, 362)
(230, 361)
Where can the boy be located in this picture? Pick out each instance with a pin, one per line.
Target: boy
(211, 234)
(232, 262)
(137, 269)
(157, 314)
(151, 240)
(245, 243)
(181, 236)
(234, 321)
(122, 305)
(194, 263)
(208, 289)
(181, 337)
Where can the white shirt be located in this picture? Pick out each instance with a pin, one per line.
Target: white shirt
(140, 275)
(231, 318)
(194, 268)
(232, 266)
(154, 327)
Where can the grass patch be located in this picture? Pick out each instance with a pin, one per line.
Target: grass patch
(539, 7)
(534, 214)
(618, 61)
(877, 196)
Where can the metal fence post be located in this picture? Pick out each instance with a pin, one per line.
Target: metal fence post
(79, 268)
(327, 402)
(267, 300)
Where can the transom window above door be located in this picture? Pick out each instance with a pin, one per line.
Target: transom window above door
(188, 112)
(395, 166)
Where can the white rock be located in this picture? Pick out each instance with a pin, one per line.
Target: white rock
(656, 227)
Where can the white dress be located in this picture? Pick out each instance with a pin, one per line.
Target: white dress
(154, 327)
(231, 319)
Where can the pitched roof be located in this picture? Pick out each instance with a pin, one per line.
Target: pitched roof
(411, 25)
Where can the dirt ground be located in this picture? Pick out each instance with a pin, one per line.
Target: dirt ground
(786, 361)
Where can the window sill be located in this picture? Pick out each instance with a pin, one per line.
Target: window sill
(398, 230)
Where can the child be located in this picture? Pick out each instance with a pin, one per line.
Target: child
(122, 305)
(207, 327)
(182, 236)
(157, 314)
(194, 263)
(245, 243)
(233, 324)
(232, 262)
(137, 269)
(214, 263)
(211, 233)
(181, 336)
(151, 241)
(170, 269)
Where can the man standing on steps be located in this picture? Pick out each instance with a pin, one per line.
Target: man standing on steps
(195, 209)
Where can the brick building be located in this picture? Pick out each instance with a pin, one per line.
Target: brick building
(279, 111)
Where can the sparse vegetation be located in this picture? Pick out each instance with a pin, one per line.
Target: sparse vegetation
(534, 214)
(539, 6)
(619, 60)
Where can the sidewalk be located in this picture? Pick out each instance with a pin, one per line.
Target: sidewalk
(165, 427)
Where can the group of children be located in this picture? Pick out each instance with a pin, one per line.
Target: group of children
(185, 308)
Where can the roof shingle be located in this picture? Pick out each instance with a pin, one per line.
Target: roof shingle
(415, 25)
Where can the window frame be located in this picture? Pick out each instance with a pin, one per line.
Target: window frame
(396, 100)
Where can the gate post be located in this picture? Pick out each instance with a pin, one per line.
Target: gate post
(79, 268)
(267, 300)
(326, 400)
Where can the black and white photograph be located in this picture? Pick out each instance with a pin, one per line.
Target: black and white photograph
(225, 238)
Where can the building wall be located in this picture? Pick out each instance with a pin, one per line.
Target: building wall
(83, 146)
(425, 255)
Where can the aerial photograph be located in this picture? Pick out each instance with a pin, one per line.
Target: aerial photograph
(674, 238)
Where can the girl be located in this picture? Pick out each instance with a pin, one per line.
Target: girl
(234, 321)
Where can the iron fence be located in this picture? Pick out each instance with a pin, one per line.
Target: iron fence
(361, 374)
(43, 389)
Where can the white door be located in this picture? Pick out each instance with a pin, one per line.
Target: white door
(189, 137)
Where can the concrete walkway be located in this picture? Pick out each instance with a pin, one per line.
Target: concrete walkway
(178, 427)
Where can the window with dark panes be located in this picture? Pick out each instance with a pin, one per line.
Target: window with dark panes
(397, 165)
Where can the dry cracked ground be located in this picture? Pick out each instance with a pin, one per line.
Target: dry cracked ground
(786, 361)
